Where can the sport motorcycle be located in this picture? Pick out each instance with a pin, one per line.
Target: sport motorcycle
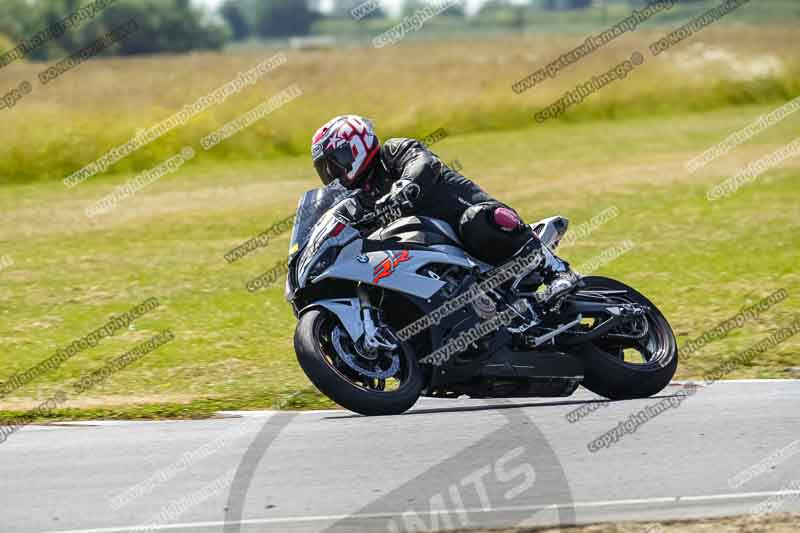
(390, 314)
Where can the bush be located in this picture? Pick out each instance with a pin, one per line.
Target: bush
(6, 44)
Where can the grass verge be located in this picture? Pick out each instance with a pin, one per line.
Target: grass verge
(699, 261)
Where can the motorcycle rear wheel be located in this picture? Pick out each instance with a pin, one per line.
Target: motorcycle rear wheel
(326, 369)
(608, 374)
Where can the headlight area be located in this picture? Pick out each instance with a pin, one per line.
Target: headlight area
(291, 283)
(325, 260)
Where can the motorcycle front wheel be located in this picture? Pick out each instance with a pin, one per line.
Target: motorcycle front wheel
(387, 383)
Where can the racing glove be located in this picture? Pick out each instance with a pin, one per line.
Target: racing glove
(400, 199)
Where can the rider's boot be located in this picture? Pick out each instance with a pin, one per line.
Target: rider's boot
(553, 273)
(559, 278)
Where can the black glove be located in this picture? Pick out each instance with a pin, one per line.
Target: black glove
(399, 200)
(390, 207)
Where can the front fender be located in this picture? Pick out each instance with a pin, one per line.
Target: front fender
(347, 310)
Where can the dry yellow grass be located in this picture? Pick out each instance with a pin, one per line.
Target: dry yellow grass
(409, 88)
(775, 523)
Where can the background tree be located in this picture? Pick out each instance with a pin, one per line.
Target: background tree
(502, 13)
(163, 26)
(20, 20)
(343, 8)
(555, 5)
(173, 26)
(492, 7)
(284, 18)
(410, 6)
(238, 19)
(17, 19)
(455, 11)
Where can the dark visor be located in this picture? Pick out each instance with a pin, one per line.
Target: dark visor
(334, 165)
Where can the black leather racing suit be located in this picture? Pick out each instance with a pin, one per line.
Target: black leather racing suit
(444, 194)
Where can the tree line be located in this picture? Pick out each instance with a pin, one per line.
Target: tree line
(162, 26)
(176, 26)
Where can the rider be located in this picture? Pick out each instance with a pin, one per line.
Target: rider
(402, 177)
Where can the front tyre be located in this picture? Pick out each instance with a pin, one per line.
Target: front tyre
(387, 384)
(611, 366)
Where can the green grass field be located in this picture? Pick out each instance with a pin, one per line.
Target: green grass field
(699, 261)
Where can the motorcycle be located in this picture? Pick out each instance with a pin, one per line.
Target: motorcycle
(389, 315)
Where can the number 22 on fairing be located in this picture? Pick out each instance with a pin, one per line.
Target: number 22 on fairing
(387, 266)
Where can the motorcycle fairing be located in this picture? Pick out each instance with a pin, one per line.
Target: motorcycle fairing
(347, 310)
(355, 266)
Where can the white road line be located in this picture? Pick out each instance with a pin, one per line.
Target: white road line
(521, 508)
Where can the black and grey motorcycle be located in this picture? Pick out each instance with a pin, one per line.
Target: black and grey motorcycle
(366, 339)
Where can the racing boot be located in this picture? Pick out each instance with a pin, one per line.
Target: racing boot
(552, 277)
(558, 277)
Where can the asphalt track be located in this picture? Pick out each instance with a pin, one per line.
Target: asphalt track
(446, 464)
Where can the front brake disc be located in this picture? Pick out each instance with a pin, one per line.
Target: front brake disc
(351, 360)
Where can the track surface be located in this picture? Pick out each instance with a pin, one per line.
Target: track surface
(481, 463)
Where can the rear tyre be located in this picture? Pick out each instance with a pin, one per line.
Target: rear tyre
(608, 374)
(331, 374)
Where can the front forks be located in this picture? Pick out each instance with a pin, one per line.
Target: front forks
(374, 338)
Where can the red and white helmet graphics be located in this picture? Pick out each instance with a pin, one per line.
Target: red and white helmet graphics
(347, 131)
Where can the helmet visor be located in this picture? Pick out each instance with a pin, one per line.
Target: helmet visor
(321, 166)
(328, 170)
(335, 165)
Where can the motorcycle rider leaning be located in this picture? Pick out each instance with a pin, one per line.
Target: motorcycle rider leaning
(401, 177)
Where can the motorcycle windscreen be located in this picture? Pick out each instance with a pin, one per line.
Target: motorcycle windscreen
(312, 205)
